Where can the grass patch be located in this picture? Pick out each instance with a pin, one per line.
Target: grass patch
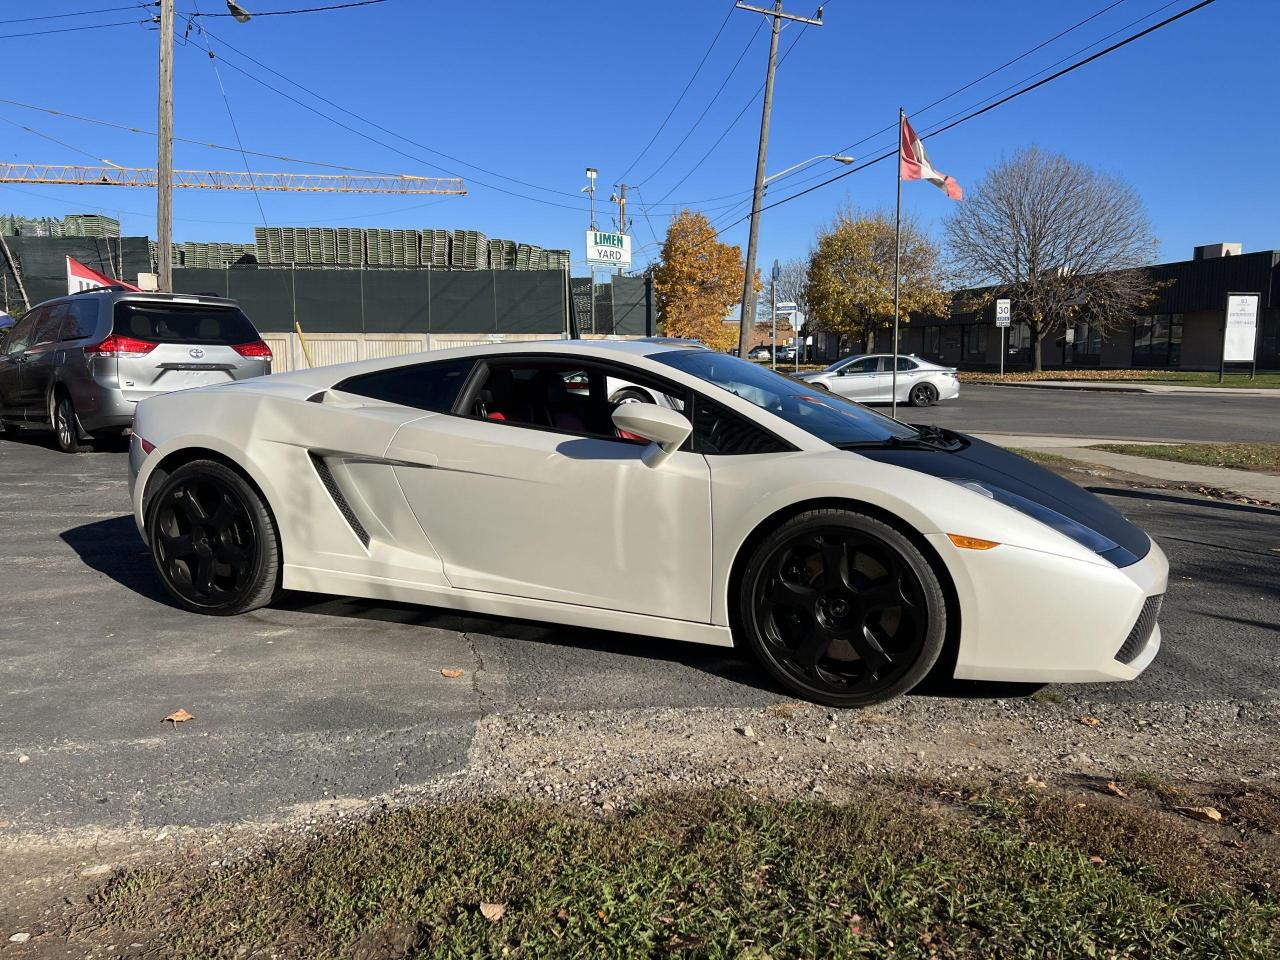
(1048, 459)
(1258, 457)
(896, 874)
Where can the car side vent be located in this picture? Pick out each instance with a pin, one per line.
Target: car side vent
(1141, 631)
(326, 477)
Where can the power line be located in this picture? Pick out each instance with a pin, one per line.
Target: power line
(199, 143)
(734, 122)
(991, 106)
(286, 13)
(95, 26)
(81, 13)
(393, 133)
(698, 69)
(710, 103)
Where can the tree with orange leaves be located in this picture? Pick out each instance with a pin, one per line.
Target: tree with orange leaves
(696, 282)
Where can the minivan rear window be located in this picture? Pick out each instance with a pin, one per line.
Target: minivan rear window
(183, 323)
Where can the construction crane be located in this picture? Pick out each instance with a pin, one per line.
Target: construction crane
(113, 176)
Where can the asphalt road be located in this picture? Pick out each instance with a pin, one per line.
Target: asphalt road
(318, 697)
(1122, 416)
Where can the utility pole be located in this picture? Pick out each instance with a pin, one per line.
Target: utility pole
(164, 153)
(748, 316)
(620, 198)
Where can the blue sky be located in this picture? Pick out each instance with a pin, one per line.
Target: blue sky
(537, 92)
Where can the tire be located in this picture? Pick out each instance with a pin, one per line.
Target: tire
(213, 540)
(66, 426)
(631, 395)
(868, 631)
(923, 395)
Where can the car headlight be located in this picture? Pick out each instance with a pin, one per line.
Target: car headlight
(1085, 536)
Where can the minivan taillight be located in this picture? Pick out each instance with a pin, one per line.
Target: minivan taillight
(115, 345)
(257, 350)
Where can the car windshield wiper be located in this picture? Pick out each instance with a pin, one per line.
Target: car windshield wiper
(927, 438)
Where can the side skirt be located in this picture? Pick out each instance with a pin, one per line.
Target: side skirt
(343, 584)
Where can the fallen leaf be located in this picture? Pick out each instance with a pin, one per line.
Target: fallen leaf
(1096, 860)
(1035, 784)
(1203, 814)
(747, 732)
(492, 911)
(1115, 789)
(451, 674)
(178, 716)
(1089, 721)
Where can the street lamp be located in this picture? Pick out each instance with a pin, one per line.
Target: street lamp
(837, 157)
(240, 13)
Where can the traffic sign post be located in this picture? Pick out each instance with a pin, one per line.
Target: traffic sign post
(1004, 312)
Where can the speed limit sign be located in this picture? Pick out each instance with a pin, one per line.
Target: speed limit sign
(1004, 310)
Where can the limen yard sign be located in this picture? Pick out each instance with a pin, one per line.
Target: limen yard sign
(608, 249)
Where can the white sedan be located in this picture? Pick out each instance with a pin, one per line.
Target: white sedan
(868, 378)
(849, 553)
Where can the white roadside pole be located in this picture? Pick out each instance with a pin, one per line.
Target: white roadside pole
(797, 324)
(1004, 311)
(773, 314)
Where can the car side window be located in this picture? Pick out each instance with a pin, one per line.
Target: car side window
(865, 365)
(563, 394)
(48, 329)
(20, 335)
(906, 364)
(81, 320)
(424, 386)
(719, 431)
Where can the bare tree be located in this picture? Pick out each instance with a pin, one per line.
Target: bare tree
(1059, 239)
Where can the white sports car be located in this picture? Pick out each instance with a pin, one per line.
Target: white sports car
(848, 552)
(868, 378)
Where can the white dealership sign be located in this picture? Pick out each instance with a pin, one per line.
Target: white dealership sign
(1240, 340)
(608, 249)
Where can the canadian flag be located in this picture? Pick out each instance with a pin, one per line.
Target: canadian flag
(913, 164)
(80, 277)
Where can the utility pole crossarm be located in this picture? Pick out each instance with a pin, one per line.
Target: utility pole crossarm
(814, 21)
(113, 176)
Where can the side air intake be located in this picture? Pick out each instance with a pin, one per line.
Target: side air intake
(326, 477)
(1141, 631)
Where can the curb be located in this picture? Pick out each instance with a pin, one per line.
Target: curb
(1137, 388)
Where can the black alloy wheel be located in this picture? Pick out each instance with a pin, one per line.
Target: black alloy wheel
(213, 540)
(66, 428)
(923, 395)
(842, 609)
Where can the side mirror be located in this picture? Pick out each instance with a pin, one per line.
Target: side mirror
(665, 428)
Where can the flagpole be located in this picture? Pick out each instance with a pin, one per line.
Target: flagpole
(897, 271)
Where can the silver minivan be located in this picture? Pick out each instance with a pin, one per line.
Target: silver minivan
(81, 363)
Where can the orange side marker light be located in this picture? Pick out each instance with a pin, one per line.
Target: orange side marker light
(971, 543)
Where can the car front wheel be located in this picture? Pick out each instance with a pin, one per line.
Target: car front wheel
(213, 540)
(842, 609)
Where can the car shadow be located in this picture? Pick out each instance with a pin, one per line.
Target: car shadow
(1182, 501)
(114, 548)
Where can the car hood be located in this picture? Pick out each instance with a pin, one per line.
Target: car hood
(985, 463)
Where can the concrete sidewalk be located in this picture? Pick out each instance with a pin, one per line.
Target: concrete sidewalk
(1124, 386)
(1256, 486)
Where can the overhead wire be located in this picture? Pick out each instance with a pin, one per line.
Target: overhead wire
(78, 13)
(286, 13)
(680, 99)
(92, 26)
(399, 136)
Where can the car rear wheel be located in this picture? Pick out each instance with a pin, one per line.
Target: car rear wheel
(842, 609)
(213, 540)
(66, 428)
(923, 395)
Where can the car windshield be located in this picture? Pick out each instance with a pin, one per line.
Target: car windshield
(825, 415)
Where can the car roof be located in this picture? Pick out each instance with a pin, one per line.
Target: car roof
(115, 293)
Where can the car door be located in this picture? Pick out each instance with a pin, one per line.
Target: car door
(908, 375)
(858, 379)
(40, 362)
(527, 490)
(11, 363)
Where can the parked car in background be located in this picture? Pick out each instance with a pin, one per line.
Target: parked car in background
(868, 378)
(761, 352)
(80, 364)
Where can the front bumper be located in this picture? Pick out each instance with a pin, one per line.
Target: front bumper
(1028, 616)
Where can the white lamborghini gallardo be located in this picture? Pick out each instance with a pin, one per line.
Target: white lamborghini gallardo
(846, 551)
